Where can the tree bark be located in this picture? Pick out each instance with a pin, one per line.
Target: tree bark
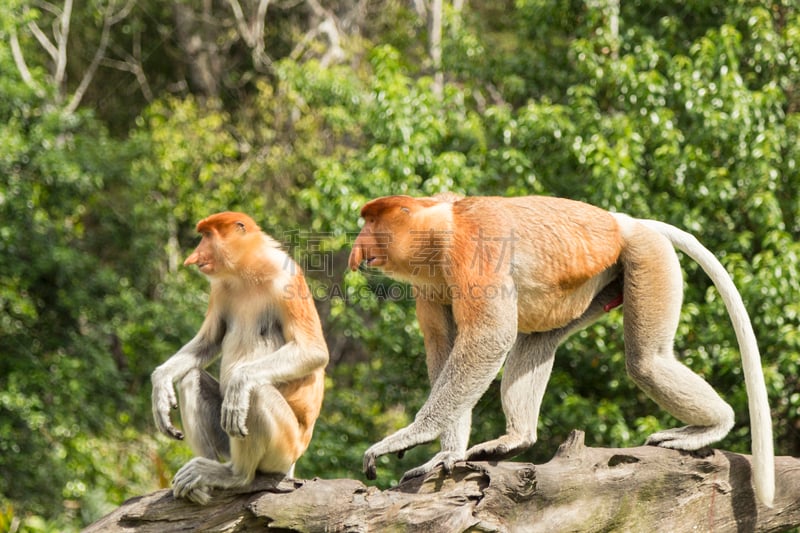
(580, 489)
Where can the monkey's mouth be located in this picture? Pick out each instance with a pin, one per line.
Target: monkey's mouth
(375, 261)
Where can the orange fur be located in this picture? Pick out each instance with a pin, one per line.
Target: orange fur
(549, 249)
(262, 320)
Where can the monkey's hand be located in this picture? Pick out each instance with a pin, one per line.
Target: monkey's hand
(164, 400)
(447, 460)
(398, 442)
(235, 407)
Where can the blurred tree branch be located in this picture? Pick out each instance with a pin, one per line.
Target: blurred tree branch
(57, 49)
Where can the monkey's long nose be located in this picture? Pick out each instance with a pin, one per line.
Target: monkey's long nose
(356, 256)
(192, 259)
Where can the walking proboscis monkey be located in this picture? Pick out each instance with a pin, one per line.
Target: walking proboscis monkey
(506, 280)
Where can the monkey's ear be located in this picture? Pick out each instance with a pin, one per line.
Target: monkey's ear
(405, 210)
(240, 226)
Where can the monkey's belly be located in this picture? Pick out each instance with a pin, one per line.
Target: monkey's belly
(547, 308)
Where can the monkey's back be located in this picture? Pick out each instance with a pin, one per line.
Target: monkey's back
(558, 252)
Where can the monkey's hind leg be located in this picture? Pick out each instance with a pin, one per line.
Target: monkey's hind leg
(271, 446)
(653, 295)
(200, 404)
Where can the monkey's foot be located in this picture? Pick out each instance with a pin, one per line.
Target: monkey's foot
(190, 481)
(194, 492)
(505, 447)
(200, 495)
(688, 437)
(446, 459)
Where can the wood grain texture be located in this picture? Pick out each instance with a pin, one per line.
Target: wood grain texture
(581, 489)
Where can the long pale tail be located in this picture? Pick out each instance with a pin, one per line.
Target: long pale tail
(760, 419)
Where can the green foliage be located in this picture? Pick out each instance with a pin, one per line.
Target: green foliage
(686, 112)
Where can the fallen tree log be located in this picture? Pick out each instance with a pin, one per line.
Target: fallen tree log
(581, 489)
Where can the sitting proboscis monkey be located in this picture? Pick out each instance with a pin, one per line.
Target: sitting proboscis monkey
(262, 322)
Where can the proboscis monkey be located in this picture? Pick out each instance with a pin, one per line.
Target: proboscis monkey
(261, 318)
(508, 279)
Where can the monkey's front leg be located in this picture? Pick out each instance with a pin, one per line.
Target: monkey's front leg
(455, 393)
(194, 355)
(487, 329)
(164, 401)
(439, 329)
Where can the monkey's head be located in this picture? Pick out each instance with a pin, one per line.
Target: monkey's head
(225, 238)
(395, 229)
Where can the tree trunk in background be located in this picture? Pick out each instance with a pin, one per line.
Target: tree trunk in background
(196, 35)
(580, 489)
(436, 46)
